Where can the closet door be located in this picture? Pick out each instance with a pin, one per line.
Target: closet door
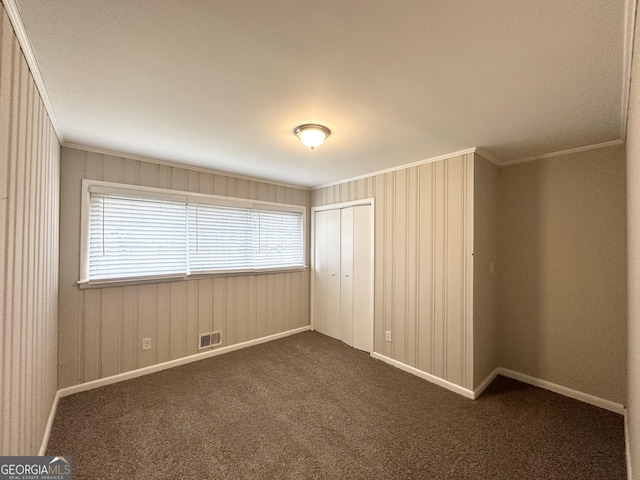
(333, 328)
(320, 272)
(343, 275)
(346, 280)
(363, 278)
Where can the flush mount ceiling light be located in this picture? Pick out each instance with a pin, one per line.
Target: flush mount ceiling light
(312, 135)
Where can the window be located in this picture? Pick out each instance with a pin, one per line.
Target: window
(138, 233)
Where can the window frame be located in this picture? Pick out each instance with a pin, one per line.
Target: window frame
(186, 196)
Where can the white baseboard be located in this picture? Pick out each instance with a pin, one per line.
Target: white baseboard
(47, 428)
(121, 377)
(487, 381)
(536, 382)
(426, 376)
(567, 392)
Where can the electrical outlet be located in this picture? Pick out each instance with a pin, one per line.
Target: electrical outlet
(146, 344)
(387, 335)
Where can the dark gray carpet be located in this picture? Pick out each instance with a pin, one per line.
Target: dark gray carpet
(308, 406)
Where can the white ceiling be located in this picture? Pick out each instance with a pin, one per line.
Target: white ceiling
(222, 83)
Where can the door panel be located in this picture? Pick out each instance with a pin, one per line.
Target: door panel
(346, 280)
(320, 273)
(362, 278)
(333, 274)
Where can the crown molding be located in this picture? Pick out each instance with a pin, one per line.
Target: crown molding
(475, 150)
(11, 7)
(184, 166)
(483, 154)
(489, 157)
(569, 151)
(400, 167)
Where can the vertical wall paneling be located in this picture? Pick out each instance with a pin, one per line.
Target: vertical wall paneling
(29, 225)
(423, 258)
(191, 319)
(378, 297)
(439, 264)
(91, 334)
(104, 327)
(387, 268)
(412, 280)
(424, 360)
(112, 307)
(262, 300)
(398, 245)
(289, 305)
(162, 322)
(71, 310)
(177, 331)
(231, 310)
(271, 305)
(205, 306)
(128, 327)
(252, 313)
(147, 315)
(242, 308)
(455, 276)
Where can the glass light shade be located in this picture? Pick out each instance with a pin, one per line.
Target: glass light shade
(312, 136)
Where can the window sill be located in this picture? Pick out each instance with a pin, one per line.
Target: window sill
(85, 285)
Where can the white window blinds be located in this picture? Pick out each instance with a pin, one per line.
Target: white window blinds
(219, 238)
(277, 239)
(149, 234)
(136, 237)
(239, 239)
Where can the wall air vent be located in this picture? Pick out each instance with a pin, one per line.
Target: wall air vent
(209, 339)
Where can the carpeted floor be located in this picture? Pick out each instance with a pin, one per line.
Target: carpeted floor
(308, 406)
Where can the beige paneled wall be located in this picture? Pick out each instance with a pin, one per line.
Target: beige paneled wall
(29, 179)
(562, 285)
(101, 329)
(423, 263)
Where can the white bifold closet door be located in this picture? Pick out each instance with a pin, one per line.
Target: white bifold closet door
(343, 298)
